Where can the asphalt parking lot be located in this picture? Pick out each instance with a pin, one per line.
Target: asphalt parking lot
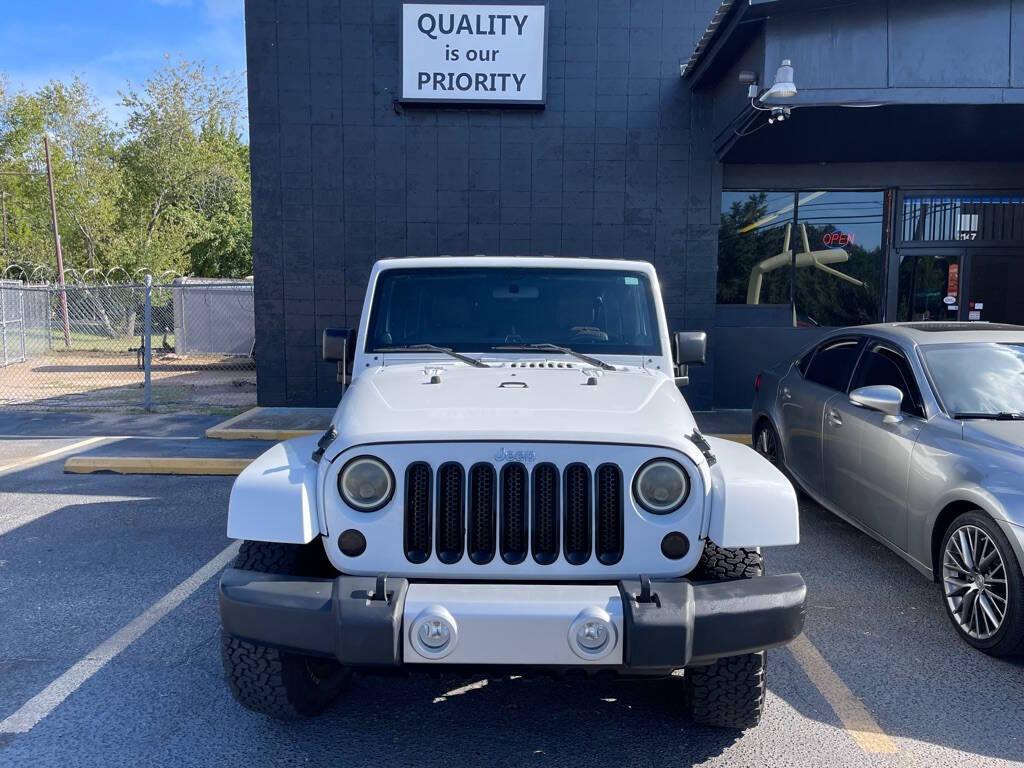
(109, 652)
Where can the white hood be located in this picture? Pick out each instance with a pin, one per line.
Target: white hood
(397, 403)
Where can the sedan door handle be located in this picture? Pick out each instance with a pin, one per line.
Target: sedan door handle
(834, 418)
(786, 394)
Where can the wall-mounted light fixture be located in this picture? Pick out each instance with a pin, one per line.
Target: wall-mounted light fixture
(783, 87)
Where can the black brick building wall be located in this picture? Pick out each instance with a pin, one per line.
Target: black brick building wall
(618, 164)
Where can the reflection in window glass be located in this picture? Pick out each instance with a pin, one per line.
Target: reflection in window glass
(839, 258)
(752, 236)
(837, 238)
(929, 286)
(952, 217)
(978, 378)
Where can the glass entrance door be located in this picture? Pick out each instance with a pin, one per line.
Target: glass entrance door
(930, 284)
(994, 287)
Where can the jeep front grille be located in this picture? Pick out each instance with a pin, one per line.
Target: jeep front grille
(515, 492)
(417, 512)
(482, 512)
(451, 527)
(573, 514)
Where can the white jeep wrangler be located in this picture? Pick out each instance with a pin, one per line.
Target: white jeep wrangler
(511, 481)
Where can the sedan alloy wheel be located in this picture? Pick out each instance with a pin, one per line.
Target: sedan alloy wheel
(974, 580)
(766, 443)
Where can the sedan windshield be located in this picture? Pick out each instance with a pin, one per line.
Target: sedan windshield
(978, 379)
(480, 309)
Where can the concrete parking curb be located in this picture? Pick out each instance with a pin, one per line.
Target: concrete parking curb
(229, 430)
(155, 465)
(195, 465)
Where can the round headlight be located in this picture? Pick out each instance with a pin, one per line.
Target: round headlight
(661, 486)
(366, 483)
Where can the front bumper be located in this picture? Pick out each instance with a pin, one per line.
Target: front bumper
(678, 624)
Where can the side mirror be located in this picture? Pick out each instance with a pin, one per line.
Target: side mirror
(690, 347)
(883, 398)
(339, 345)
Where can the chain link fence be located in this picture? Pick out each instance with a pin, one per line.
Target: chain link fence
(184, 345)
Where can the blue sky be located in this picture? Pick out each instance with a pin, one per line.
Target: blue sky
(108, 42)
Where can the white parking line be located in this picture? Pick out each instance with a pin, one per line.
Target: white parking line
(40, 457)
(44, 702)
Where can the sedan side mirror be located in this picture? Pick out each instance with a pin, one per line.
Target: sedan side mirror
(688, 348)
(883, 398)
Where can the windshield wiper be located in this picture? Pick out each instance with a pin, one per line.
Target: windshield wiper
(1002, 416)
(434, 348)
(555, 348)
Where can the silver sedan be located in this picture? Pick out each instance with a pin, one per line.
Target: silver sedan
(914, 433)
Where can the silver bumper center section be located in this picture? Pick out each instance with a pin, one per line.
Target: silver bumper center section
(514, 624)
(633, 627)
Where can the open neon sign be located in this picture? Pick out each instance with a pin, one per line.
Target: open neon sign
(837, 239)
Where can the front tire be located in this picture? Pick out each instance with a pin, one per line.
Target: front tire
(729, 693)
(273, 682)
(766, 442)
(982, 585)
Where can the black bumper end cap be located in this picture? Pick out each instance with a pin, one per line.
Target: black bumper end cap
(306, 615)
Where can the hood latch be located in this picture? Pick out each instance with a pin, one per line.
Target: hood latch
(704, 446)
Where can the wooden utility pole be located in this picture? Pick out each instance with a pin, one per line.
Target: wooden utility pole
(3, 204)
(56, 241)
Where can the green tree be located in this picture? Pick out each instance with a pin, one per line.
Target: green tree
(168, 190)
(186, 170)
(87, 180)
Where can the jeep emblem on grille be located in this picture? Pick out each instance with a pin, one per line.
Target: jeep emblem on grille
(504, 454)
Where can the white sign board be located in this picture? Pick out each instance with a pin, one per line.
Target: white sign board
(474, 54)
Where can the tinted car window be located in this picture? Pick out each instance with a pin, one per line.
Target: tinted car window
(833, 363)
(978, 378)
(881, 365)
(475, 309)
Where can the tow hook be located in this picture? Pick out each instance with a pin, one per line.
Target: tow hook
(380, 592)
(646, 596)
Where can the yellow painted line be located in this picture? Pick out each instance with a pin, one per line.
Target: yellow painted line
(225, 425)
(851, 711)
(148, 465)
(259, 434)
(736, 438)
(41, 457)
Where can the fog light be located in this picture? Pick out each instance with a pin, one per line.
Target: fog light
(675, 545)
(434, 633)
(592, 635)
(352, 543)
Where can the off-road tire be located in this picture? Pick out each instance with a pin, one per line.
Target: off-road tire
(727, 694)
(730, 692)
(720, 564)
(270, 681)
(292, 559)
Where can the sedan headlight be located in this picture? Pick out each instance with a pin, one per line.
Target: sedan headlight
(366, 483)
(661, 486)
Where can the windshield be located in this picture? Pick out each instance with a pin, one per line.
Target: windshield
(980, 378)
(475, 309)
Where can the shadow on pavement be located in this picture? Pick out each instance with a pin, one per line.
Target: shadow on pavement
(506, 721)
(882, 627)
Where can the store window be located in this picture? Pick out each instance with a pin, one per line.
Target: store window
(989, 218)
(837, 241)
